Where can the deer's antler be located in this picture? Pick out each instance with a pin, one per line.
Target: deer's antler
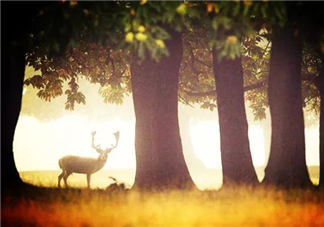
(97, 148)
(116, 134)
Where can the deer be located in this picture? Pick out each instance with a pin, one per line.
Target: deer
(84, 165)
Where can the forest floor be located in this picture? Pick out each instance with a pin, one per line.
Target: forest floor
(230, 207)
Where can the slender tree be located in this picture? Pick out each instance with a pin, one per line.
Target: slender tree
(236, 156)
(314, 68)
(237, 163)
(321, 90)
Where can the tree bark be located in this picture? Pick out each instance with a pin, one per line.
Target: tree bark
(235, 149)
(160, 162)
(14, 46)
(320, 86)
(13, 64)
(12, 75)
(144, 97)
(287, 164)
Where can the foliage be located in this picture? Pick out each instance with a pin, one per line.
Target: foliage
(196, 72)
(95, 63)
(100, 47)
(255, 62)
(311, 66)
(67, 23)
(197, 83)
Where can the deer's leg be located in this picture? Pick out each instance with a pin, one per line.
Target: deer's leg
(60, 178)
(65, 177)
(88, 180)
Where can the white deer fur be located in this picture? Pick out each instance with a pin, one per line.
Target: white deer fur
(75, 164)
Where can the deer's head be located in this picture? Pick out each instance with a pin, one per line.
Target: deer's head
(103, 153)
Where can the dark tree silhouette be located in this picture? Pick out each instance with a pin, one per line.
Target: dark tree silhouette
(16, 19)
(159, 159)
(320, 86)
(235, 148)
(287, 163)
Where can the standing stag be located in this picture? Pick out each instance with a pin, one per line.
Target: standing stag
(75, 164)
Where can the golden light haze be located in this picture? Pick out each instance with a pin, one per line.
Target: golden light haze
(46, 132)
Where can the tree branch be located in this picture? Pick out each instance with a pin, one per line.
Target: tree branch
(257, 85)
(200, 94)
(186, 102)
(246, 88)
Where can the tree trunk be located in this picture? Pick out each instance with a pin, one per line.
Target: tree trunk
(14, 46)
(144, 97)
(13, 64)
(13, 68)
(287, 164)
(235, 149)
(160, 162)
(320, 87)
(321, 125)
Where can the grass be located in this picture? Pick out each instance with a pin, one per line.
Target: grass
(207, 179)
(226, 207)
(99, 180)
(46, 205)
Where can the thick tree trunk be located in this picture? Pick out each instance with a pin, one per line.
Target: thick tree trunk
(15, 30)
(235, 149)
(13, 64)
(160, 162)
(143, 86)
(12, 75)
(287, 164)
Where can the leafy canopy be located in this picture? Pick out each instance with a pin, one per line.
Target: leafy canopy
(97, 41)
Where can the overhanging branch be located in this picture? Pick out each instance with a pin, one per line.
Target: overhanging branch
(250, 87)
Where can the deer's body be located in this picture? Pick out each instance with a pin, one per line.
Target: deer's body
(75, 164)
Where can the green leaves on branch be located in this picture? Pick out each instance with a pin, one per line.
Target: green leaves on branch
(148, 40)
(95, 63)
(229, 48)
(73, 95)
(36, 81)
(97, 41)
(112, 95)
(146, 26)
(49, 85)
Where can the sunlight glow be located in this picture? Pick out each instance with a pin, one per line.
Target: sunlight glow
(256, 138)
(206, 143)
(38, 146)
(46, 132)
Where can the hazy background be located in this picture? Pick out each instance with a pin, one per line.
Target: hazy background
(46, 132)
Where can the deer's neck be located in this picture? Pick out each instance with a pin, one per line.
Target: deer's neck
(100, 164)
